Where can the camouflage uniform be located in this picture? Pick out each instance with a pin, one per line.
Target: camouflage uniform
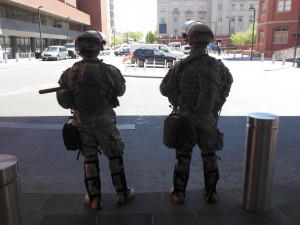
(98, 130)
(197, 87)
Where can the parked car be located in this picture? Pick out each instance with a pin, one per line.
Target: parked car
(71, 50)
(186, 49)
(106, 51)
(55, 52)
(212, 48)
(122, 51)
(140, 56)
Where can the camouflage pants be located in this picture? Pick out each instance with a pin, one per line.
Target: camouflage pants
(201, 131)
(108, 139)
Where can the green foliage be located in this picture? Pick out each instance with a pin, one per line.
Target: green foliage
(150, 37)
(117, 41)
(240, 38)
(134, 35)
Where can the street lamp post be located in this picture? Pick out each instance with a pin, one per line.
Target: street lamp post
(216, 24)
(253, 22)
(41, 41)
(296, 41)
(114, 30)
(67, 24)
(228, 17)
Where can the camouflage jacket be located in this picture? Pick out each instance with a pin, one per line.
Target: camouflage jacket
(198, 85)
(113, 86)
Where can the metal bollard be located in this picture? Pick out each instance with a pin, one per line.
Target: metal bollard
(261, 138)
(17, 57)
(11, 210)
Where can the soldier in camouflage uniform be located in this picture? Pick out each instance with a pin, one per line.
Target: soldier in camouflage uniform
(96, 125)
(197, 88)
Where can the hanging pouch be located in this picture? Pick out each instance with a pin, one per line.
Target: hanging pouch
(174, 132)
(71, 135)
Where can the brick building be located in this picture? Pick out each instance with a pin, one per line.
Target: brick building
(277, 25)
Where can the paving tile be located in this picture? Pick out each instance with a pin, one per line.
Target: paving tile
(68, 219)
(289, 192)
(175, 218)
(272, 217)
(62, 204)
(145, 202)
(291, 212)
(216, 216)
(32, 202)
(125, 219)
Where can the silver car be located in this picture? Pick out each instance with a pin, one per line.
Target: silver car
(55, 52)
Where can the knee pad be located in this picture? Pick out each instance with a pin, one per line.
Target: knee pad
(91, 175)
(211, 171)
(114, 147)
(183, 162)
(117, 173)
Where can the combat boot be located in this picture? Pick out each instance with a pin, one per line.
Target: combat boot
(124, 197)
(210, 195)
(177, 197)
(94, 203)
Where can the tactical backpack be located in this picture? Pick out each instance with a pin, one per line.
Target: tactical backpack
(224, 89)
(87, 94)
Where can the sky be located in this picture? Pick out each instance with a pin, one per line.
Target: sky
(135, 15)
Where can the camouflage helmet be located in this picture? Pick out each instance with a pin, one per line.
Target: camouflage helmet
(196, 31)
(90, 40)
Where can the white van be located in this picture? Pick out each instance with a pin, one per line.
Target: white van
(1, 54)
(175, 46)
(186, 49)
(162, 47)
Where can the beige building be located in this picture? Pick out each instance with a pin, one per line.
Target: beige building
(223, 16)
(31, 25)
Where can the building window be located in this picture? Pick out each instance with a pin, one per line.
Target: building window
(220, 7)
(176, 25)
(240, 19)
(280, 36)
(233, 7)
(162, 9)
(263, 6)
(241, 6)
(283, 5)
(261, 37)
(162, 20)
(251, 19)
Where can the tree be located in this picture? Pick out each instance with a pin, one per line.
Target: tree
(150, 37)
(133, 35)
(137, 36)
(241, 38)
(116, 41)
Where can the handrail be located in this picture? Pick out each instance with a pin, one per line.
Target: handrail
(287, 53)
